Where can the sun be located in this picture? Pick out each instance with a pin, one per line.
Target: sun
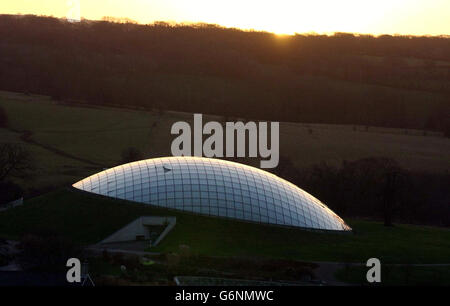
(280, 17)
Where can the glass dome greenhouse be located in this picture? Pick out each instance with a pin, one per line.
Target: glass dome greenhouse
(214, 187)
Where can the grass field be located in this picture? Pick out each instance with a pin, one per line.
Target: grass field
(87, 219)
(403, 275)
(91, 139)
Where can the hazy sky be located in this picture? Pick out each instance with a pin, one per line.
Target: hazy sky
(417, 17)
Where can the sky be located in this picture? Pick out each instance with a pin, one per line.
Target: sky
(412, 17)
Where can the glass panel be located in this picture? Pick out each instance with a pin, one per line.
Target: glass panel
(214, 187)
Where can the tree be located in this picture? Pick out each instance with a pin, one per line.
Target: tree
(389, 195)
(286, 169)
(378, 182)
(15, 161)
(47, 251)
(131, 154)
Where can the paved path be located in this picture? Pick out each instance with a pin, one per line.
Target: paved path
(11, 249)
(12, 266)
(132, 247)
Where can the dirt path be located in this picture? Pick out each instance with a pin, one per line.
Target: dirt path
(27, 136)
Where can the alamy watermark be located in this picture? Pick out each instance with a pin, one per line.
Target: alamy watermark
(78, 273)
(374, 273)
(235, 137)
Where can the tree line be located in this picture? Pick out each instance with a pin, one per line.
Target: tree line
(376, 188)
(393, 81)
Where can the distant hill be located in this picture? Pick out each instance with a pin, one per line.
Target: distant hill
(69, 142)
(389, 81)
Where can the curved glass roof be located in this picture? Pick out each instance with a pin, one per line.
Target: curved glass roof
(216, 188)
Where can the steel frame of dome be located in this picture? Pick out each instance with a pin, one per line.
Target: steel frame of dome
(214, 187)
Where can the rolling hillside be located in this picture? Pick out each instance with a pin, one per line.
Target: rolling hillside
(69, 142)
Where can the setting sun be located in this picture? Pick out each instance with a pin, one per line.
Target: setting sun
(416, 17)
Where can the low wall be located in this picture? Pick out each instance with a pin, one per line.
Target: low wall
(139, 228)
(12, 204)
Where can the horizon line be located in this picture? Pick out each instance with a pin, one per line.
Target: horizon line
(172, 23)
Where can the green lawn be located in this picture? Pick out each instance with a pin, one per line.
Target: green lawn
(100, 135)
(404, 275)
(86, 218)
(50, 169)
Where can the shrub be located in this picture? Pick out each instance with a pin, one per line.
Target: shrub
(185, 250)
(47, 252)
(173, 259)
(132, 262)
(9, 192)
(117, 258)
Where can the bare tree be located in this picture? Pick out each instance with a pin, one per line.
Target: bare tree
(15, 160)
(393, 182)
(379, 180)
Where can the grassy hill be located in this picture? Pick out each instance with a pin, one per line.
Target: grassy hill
(71, 142)
(86, 218)
(389, 81)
